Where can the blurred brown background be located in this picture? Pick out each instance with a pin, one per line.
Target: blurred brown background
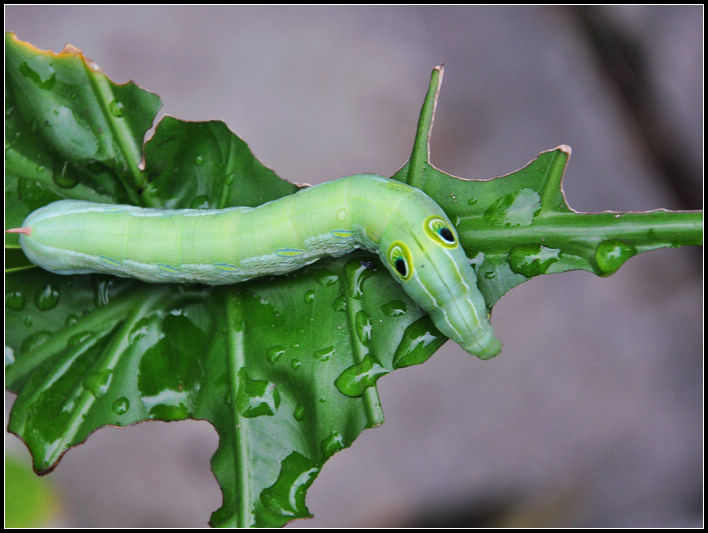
(592, 415)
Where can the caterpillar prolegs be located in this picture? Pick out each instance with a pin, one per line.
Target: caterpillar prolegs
(409, 231)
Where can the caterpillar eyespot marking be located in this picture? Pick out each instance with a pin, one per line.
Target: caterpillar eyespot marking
(440, 230)
(400, 258)
(412, 235)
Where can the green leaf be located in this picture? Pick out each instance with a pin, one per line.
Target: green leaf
(274, 364)
(70, 132)
(285, 368)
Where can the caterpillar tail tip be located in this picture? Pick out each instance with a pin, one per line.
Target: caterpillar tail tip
(23, 231)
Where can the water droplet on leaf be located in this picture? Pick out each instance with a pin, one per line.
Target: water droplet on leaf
(34, 341)
(274, 353)
(340, 303)
(120, 406)
(611, 254)
(256, 397)
(394, 308)
(363, 327)
(64, 175)
(116, 108)
(14, 300)
(286, 497)
(47, 297)
(40, 71)
(514, 209)
(200, 201)
(97, 383)
(299, 413)
(419, 342)
(332, 444)
(79, 338)
(324, 277)
(532, 259)
(357, 272)
(357, 378)
(325, 354)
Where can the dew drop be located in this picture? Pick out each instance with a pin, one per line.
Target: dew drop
(419, 342)
(140, 329)
(97, 383)
(274, 353)
(299, 413)
(295, 364)
(611, 254)
(363, 327)
(357, 378)
(514, 209)
(71, 320)
(200, 201)
(15, 300)
(116, 108)
(79, 338)
(102, 291)
(394, 308)
(340, 303)
(324, 277)
(9, 356)
(63, 175)
(309, 297)
(357, 273)
(47, 297)
(490, 274)
(325, 354)
(532, 259)
(34, 341)
(332, 444)
(256, 397)
(120, 406)
(286, 497)
(199, 161)
(40, 71)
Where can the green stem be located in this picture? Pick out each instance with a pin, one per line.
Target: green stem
(645, 231)
(236, 357)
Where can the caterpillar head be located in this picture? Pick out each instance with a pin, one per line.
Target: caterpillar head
(425, 256)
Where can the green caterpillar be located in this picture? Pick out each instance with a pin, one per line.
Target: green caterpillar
(409, 231)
